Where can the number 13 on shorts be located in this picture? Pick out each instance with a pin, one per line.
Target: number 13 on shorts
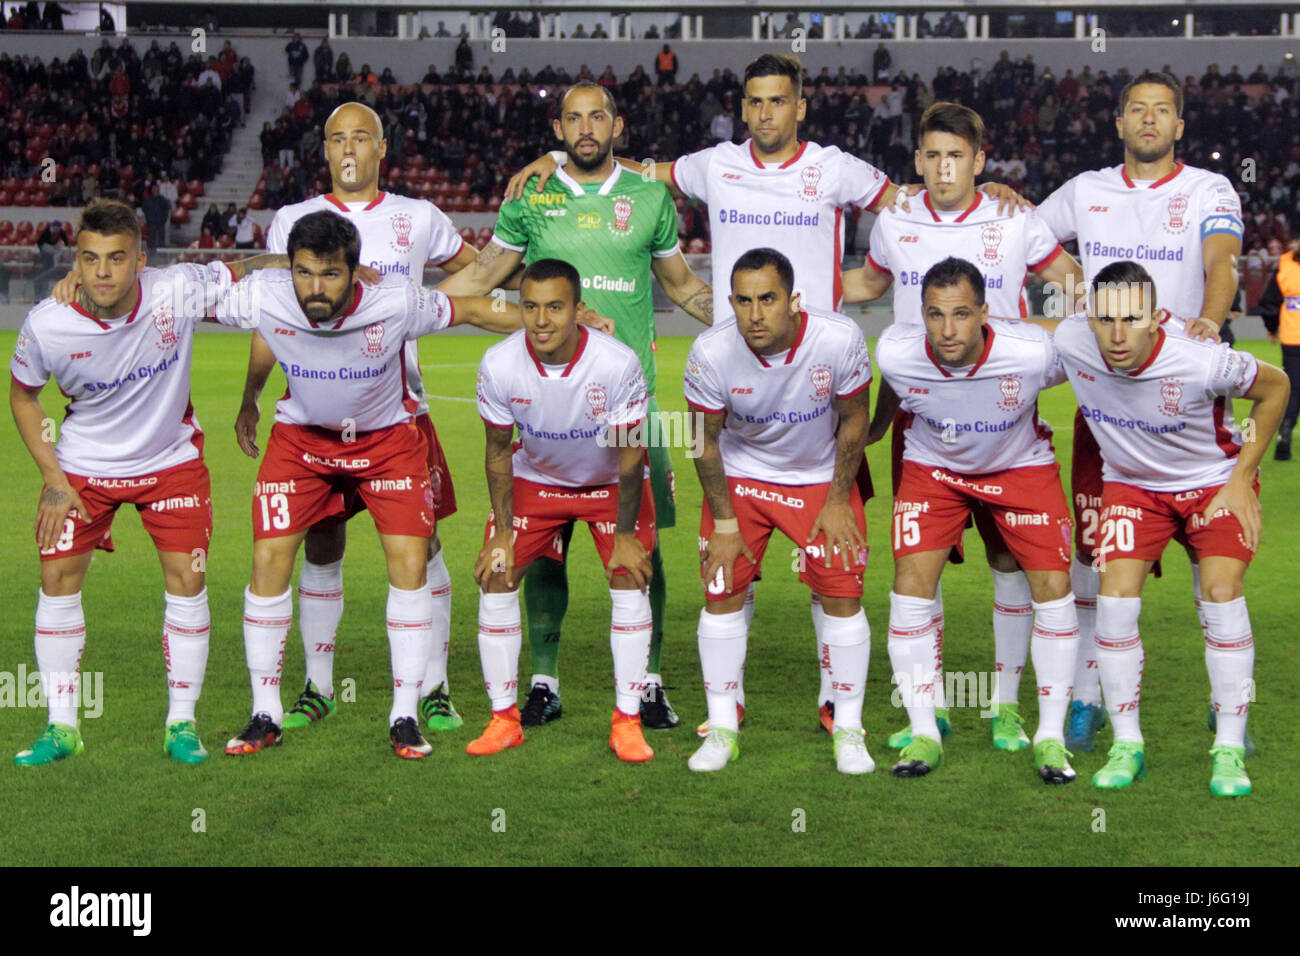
(275, 511)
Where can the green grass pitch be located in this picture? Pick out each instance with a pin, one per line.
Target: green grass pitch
(335, 793)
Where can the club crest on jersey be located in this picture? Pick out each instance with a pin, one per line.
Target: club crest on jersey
(1171, 397)
(991, 240)
(812, 184)
(596, 398)
(1010, 389)
(164, 320)
(374, 339)
(820, 376)
(1177, 209)
(622, 224)
(401, 232)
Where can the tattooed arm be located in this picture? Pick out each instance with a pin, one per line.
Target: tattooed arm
(684, 287)
(490, 269)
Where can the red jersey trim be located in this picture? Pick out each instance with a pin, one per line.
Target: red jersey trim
(1222, 436)
(876, 198)
(22, 384)
(988, 347)
(1123, 171)
(803, 144)
(577, 354)
(1160, 341)
(672, 174)
(798, 338)
(979, 197)
(877, 266)
(629, 424)
(705, 408)
(369, 206)
(866, 384)
(1048, 260)
(504, 428)
(453, 255)
(837, 280)
(139, 290)
(356, 302)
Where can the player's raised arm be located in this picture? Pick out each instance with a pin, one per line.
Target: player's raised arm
(684, 287)
(1269, 395)
(628, 552)
(58, 499)
(498, 553)
(260, 363)
(1065, 273)
(491, 268)
(865, 283)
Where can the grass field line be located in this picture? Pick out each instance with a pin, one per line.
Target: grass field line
(452, 398)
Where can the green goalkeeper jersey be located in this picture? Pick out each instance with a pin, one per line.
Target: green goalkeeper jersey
(609, 232)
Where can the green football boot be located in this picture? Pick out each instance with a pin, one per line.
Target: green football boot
(918, 758)
(901, 738)
(182, 743)
(1229, 776)
(310, 707)
(1051, 760)
(1124, 763)
(1008, 728)
(437, 710)
(58, 741)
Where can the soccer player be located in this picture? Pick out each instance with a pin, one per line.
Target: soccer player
(775, 190)
(1184, 225)
(618, 229)
(1173, 468)
(782, 394)
(968, 385)
(121, 352)
(398, 236)
(952, 217)
(576, 399)
(342, 427)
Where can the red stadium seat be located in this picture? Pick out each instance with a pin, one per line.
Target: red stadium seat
(195, 187)
(484, 237)
(21, 198)
(494, 204)
(227, 241)
(6, 197)
(476, 204)
(695, 247)
(257, 200)
(415, 162)
(68, 232)
(188, 201)
(426, 191)
(429, 175)
(462, 189)
(180, 216)
(467, 234)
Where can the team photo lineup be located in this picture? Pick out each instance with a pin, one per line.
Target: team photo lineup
(782, 399)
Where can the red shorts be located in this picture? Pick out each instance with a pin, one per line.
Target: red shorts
(175, 506)
(761, 508)
(1021, 510)
(541, 511)
(308, 474)
(1085, 486)
(1136, 523)
(444, 495)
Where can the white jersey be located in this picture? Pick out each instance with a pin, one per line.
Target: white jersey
(1164, 426)
(1004, 247)
(564, 412)
(398, 235)
(796, 208)
(127, 378)
(780, 420)
(978, 419)
(1160, 225)
(347, 373)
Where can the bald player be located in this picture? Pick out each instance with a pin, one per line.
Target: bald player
(398, 235)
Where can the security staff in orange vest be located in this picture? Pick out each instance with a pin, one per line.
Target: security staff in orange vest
(1279, 306)
(666, 66)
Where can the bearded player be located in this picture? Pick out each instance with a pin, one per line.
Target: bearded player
(399, 235)
(1174, 467)
(618, 229)
(952, 217)
(1184, 226)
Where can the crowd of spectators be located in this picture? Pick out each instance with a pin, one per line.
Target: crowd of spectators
(476, 129)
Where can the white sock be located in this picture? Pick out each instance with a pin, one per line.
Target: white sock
(722, 640)
(1085, 582)
(1230, 659)
(266, 628)
(1200, 604)
(1120, 658)
(848, 643)
(1013, 620)
(629, 642)
(1054, 646)
(825, 690)
(186, 628)
(500, 635)
(440, 588)
(912, 657)
(937, 621)
(320, 608)
(60, 642)
(749, 618)
(410, 638)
